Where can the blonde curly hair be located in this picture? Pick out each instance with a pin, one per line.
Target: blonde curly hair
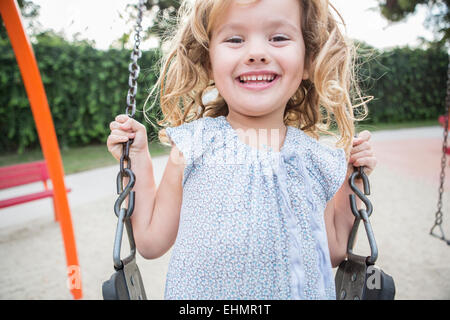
(322, 100)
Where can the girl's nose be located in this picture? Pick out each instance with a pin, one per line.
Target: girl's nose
(257, 52)
(261, 59)
(257, 56)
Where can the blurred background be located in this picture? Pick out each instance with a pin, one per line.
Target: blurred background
(83, 50)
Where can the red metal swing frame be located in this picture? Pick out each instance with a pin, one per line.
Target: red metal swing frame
(26, 60)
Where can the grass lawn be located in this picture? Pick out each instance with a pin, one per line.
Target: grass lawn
(96, 156)
(394, 126)
(79, 158)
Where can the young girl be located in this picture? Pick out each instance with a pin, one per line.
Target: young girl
(255, 206)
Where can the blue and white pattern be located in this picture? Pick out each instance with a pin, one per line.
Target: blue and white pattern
(251, 221)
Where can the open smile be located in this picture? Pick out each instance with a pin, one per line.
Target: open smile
(257, 82)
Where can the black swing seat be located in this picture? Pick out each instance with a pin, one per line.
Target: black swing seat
(125, 284)
(357, 280)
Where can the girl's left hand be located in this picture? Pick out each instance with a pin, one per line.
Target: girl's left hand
(362, 153)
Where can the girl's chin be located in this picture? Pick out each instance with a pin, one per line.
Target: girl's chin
(253, 109)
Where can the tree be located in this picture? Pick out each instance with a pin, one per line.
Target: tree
(29, 11)
(163, 13)
(438, 17)
(166, 12)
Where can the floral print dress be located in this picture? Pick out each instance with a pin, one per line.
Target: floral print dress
(252, 221)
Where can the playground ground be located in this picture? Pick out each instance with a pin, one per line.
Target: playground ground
(404, 193)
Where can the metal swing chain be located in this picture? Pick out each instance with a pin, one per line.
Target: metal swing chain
(361, 214)
(124, 193)
(438, 220)
(133, 67)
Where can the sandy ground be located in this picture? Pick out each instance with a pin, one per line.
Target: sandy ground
(404, 193)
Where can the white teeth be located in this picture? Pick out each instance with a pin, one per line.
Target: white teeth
(265, 77)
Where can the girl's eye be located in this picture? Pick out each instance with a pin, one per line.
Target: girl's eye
(234, 40)
(279, 38)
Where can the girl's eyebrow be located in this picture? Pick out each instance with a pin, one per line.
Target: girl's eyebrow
(231, 25)
(271, 22)
(267, 23)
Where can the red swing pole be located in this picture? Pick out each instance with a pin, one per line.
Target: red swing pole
(26, 60)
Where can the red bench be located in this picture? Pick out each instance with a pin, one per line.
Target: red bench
(442, 119)
(21, 174)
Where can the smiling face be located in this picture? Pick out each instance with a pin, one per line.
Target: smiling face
(257, 57)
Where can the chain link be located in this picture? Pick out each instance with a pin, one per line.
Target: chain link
(126, 192)
(361, 214)
(438, 215)
(133, 67)
(134, 70)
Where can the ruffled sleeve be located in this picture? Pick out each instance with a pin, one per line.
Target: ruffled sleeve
(185, 137)
(328, 166)
(194, 139)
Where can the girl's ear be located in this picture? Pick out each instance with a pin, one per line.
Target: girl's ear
(306, 68)
(209, 71)
(306, 71)
(305, 74)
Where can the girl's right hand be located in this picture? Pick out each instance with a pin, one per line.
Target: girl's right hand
(123, 129)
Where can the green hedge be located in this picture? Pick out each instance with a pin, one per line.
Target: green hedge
(86, 88)
(407, 84)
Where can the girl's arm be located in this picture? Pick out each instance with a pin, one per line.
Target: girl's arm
(157, 209)
(339, 218)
